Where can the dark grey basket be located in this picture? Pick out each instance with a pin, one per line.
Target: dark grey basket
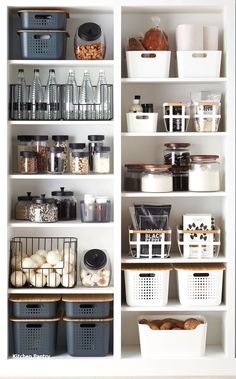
(38, 44)
(33, 306)
(88, 338)
(87, 306)
(43, 19)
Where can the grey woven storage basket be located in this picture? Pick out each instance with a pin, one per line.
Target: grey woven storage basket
(87, 306)
(34, 306)
(88, 337)
(43, 19)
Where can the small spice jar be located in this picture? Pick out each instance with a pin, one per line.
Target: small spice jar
(157, 178)
(101, 160)
(23, 205)
(43, 210)
(24, 143)
(204, 173)
(94, 141)
(95, 269)
(62, 141)
(66, 204)
(75, 148)
(40, 146)
(177, 155)
(89, 42)
(56, 160)
(80, 163)
(28, 162)
(132, 177)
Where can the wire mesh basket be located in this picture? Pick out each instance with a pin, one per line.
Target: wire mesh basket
(150, 244)
(43, 262)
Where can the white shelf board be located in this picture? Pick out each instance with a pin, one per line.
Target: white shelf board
(174, 258)
(63, 177)
(172, 80)
(60, 123)
(175, 134)
(62, 290)
(60, 224)
(173, 305)
(62, 63)
(173, 194)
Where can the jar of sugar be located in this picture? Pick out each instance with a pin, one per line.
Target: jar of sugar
(204, 173)
(157, 178)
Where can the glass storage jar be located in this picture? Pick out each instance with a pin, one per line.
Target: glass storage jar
(56, 160)
(157, 178)
(95, 269)
(80, 163)
(101, 160)
(177, 155)
(23, 205)
(62, 141)
(132, 177)
(75, 148)
(40, 146)
(43, 210)
(94, 141)
(95, 209)
(204, 173)
(66, 204)
(28, 162)
(89, 42)
(24, 143)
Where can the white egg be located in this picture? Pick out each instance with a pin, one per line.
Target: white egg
(38, 280)
(63, 268)
(103, 282)
(38, 259)
(53, 280)
(45, 269)
(68, 280)
(18, 279)
(16, 263)
(43, 253)
(53, 257)
(95, 278)
(27, 263)
(87, 282)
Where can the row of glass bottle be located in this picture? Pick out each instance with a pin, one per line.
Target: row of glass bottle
(69, 101)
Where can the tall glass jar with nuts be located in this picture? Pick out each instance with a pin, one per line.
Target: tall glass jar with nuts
(40, 146)
(89, 42)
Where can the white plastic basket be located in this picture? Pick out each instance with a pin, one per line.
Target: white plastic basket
(199, 64)
(148, 64)
(157, 344)
(200, 285)
(141, 122)
(146, 285)
(150, 243)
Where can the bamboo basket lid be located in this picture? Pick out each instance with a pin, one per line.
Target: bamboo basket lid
(34, 297)
(35, 320)
(147, 267)
(199, 267)
(84, 298)
(43, 11)
(88, 320)
(176, 103)
(42, 31)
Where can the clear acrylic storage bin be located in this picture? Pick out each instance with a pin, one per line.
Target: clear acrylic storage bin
(95, 212)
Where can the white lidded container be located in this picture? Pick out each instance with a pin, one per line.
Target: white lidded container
(199, 64)
(141, 122)
(146, 285)
(157, 344)
(148, 64)
(200, 285)
(204, 173)
(157, 178)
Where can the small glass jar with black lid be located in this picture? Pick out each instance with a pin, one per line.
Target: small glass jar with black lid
(28, 162)
(56, 160)
(95, 269)
(89, 42)
(23, 205)
(24, 143)
(132, 177)
(94, 141)
(101, 160)
(66, 204)
(43, 210)
(75, 148)
(178, 155)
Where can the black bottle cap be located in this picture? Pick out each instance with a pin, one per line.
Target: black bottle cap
(89, 31)
(137, 97)
(95, 259)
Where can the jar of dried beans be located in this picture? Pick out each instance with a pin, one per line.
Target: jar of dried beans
(40, 146)
(28, 162)
(43, 210)
(62, 141)
(89, 42)
(80, 163)
(75, 148)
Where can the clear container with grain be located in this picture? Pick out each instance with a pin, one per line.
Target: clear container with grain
(75, 148)
(157, 178)
(40, 146)
(101, 160)
(56, 160)
(62, 141)
(23, 205)
(28, 162)
(24, 143)
(94, 142)
(204, 173)
(89, 42)
(95, 269)
(43, 210)
(80, 163)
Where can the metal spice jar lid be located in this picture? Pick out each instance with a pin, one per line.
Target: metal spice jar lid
(80, 154)
(62, 192)
(204, 157)
(89, 31)
(95, 259)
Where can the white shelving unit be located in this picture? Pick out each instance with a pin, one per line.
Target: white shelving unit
(121, 19)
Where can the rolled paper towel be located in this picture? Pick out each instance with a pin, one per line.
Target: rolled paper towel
(189, 37)
(210, 38)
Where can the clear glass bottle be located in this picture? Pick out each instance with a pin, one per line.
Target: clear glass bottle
(22, 100)
(86, 99)
(28, 162)
(157, 178)
(51, 98)
(36, 97)
(94, 141)
(56, 160)
(24, 143)
(43, 210)
(95, 269)
(62, 141)
(101, 101)
(204, 173)
(71, 98)
(80, 163)
(89, 42)
(136, 106)
(66, 204)
(40, 146)
(23, 205)
(75, 148)
(101, 160)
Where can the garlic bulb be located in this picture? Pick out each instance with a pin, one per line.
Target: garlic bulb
(53, 280)
(42, 253)
(53, 257)
(87, 282)
(18, 279)
(38, 280)
(45, 269)
(63, 267)
(16, 263)
(27, 263)
(38, 259)
(68, 280)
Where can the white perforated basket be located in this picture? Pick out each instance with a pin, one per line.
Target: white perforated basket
(147, 285)
(200, 285)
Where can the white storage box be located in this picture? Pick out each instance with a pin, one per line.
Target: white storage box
(199, 64)
(148, 64)
(141, 122)
(172, 343)
(147, 285)
(200, 285)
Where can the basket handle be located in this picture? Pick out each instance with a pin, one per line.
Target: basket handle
(201, 275)
(34, 306)
(88, 325)
(42, 36)
(149, 275)
(87, 306)
(34, 326)
(138, 117)
(45, 16)
(199, 55)
(148, 55)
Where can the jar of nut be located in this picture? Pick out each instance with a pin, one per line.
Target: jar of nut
(95, 269)
(40, 146)
(80, 163)
(28, 162)
(89, 42)
(43, 210)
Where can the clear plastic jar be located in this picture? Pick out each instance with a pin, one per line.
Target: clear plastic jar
(95, 269)
(157, 178)
(62, 141)
(204, 173)
(75, 148)
(132, 177)
(28, 162)
(24, 143)
(66, 204)
(40, 146)
(89, 42)
(177, 155)
(43, 210)
(80, 163)
(101, 160)
(23, 205)
(94, 141)
(56, 160)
